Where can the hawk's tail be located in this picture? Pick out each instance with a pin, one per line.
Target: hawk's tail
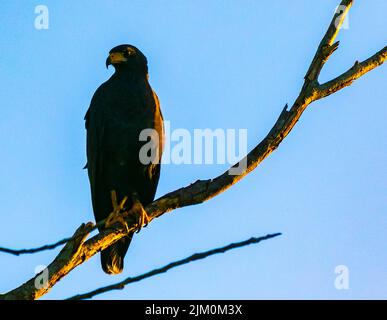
(112, 258)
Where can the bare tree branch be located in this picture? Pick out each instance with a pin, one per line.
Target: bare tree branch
(197, 256)
(45, 247)
(352, 74)
(18, 252)
(203, 190)
(57, 268)
(327, 47)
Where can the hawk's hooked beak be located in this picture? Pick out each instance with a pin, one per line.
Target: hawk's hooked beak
(115, 58)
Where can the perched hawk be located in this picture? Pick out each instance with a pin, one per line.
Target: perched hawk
(120, 110)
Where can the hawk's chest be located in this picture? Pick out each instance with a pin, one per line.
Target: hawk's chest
(129, 101)
(128, 105)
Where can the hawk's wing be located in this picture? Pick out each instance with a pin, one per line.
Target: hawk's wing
(154, 169)
(95, 126)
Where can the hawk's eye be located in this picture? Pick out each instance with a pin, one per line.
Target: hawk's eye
(129, 52)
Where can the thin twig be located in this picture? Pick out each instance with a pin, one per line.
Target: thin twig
(18, 252)
(197, 256)
(65, 259)
(357, 70)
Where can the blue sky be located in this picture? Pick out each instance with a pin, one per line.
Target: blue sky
(214, 64)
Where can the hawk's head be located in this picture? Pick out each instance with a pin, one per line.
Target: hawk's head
(127, 57)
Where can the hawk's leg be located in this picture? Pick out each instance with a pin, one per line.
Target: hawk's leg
(118, 214)
(139, 210)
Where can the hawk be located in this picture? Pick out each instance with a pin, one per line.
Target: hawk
(120, 110)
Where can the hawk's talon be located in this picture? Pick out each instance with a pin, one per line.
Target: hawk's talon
(143, 218)
(117, 215)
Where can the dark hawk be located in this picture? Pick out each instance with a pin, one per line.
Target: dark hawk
(121, 175)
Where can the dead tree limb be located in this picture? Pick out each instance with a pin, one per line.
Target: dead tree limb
(197, 256)
(76, 251)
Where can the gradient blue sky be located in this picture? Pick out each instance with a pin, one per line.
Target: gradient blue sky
(214, 64)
